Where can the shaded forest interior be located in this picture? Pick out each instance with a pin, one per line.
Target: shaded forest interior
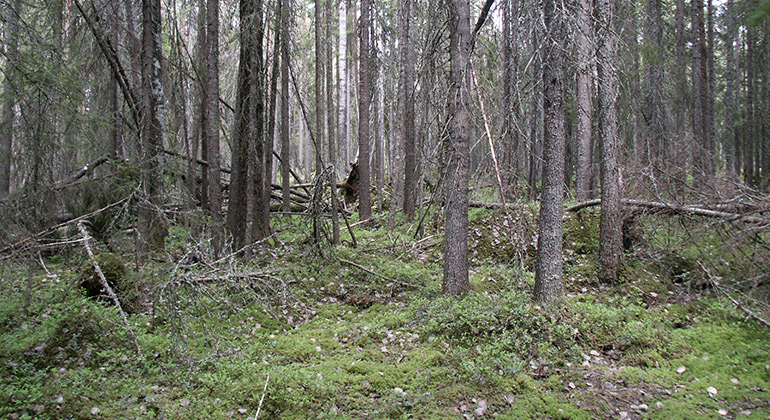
(274, 158)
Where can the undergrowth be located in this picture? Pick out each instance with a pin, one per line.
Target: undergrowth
(364, 333)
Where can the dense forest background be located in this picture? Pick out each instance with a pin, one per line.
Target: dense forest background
(180, 160)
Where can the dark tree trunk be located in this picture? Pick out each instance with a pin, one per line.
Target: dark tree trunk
(701, 156)
(656, 120)
(584, 102)
(257, 174)
(364, 99)
(211, 131)
(549, 288)
(610, 235)
(319, 85)
(730, 147)
(457, 152)
(152, 228)
(269, 142)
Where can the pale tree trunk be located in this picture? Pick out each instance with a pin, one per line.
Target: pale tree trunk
(199, 122)
(285, 145)
(510, 135)
(458, 149)
(152, 228)
(212, 122)
(610, 234)
(319, 85)
(269, 139)
(11, 40)
(710, 88)
(584, 102)
(364, 99)
(342, 81)
(549, 287)
(407, 116)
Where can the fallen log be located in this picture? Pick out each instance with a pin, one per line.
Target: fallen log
(675, 209)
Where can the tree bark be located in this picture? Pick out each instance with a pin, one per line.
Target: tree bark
(457, 150)
(549, 288)
(11, 41)
(610, 225)
(152, 227)
(583, 168)
(729, 99)
(656, 120)
(212, 123)
(364, 99)
(407, 116)
(330, 120)
(285, 145)
(701, 156)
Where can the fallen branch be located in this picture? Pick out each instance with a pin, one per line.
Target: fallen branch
(106, 285)
(491, 205)
(54, 228)
(261, 400)
(676, 209)
(377, 274)
(89, 167)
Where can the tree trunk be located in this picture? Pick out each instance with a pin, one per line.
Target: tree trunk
(407, 116)
(212, 123)
(656, 120)
(319, 85)
(457, 159)
(549, 288)
(729, 99)
(331, 119)
(364, 99)
(11, 11)
(610, 225)
(342, 80)
(701, 155)
(257, 174)
(152, 227)
(584, 102)
(285, 145)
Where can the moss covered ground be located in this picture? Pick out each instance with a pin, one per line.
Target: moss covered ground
(297, 333)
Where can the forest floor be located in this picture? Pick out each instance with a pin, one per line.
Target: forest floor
(365, 333)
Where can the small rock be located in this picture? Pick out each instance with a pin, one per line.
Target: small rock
(38, 408)
(594, 353)
(643, 407)
(59, 399)
(746, 413)
(623, 415)
(659, 404)
(95, 410)
(318, 349)
(722, 412)
(142, 408)
(705, 357)
(509, 399)
(384, 349)
(217, 401)
(571, 385)
(681, 369)
(365, 384)
(712, 391)
(734, 380)
(242, 411)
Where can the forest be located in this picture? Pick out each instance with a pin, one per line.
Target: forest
(384, 209)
